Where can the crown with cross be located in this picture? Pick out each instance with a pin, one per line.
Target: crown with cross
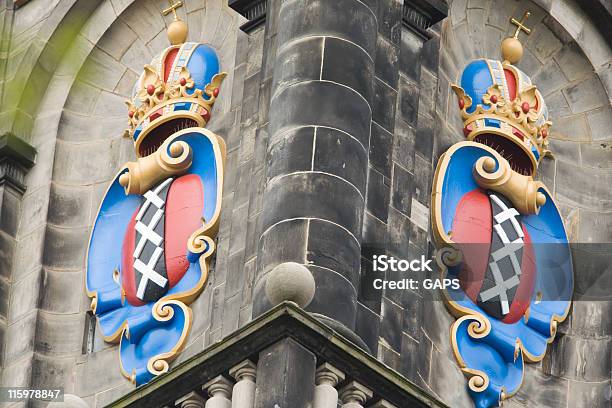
(176, 90)
(501, 108)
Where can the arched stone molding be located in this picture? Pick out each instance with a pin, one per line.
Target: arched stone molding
(74, 166)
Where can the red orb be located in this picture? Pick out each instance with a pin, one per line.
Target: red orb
(544, 133)
(206, 115)
(216, 92)
(150, 89)
(131, 114)
(461, 104)
(494, 98)
(183, 82)
(525, 106)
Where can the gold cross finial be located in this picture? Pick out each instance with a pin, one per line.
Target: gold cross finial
(520, 26)
(172, 8)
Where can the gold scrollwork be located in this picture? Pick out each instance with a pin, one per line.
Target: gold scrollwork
(172, 158)
(520, 189)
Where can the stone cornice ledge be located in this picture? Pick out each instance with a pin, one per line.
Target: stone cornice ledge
(284, 321)
(16, 157)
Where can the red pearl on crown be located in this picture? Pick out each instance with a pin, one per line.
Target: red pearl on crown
(150, 89)
(131, 114)
(216, 92)
(461, 104)
(183, 81)
(525, 107)
(544, 133)
(494, 98)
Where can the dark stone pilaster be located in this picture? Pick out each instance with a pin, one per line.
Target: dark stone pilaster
(285, 376)
(319, 129)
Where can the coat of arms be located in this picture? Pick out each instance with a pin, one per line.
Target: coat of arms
(151, 244)
(498, 229)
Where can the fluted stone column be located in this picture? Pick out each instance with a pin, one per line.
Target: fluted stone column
(220, 391)
(355, 395)
(317, 159)
(243, 394)
(327, 378)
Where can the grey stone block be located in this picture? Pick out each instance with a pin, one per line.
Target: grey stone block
(445, 371)
(65, 248)
(543, 42)
(24, 295)
(383, 108)
(10, 205)
(402, 190)
(586, 95)
(590, 318)
(101, 70)
(7, 248)
(593, 395)
(332, 247)
(408, 100)
(314, 195)
(75, 163)
(568, 151)
(312, 17)
(59, 335)
(410, 55)
(583, 186)
(571, 128)
(292, 153)
(391, 324)
(600, 124)
(342, 155)
(20, 338)
(549, 79)
(347, 64)
(573, 62)
(540, 389)
(581, 359)
(298, 62)
(99, 371)
(387, 61)
(69, 206)
(403, 145)
(289, 363)
(117, 40)
(367, 324)
(381, 148)
(272, 249)
(337, 107)
(597, 154)
(334, 296)
(63, 291)
(379, 191)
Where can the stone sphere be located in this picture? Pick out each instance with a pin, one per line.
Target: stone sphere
(290, 281)
(70, 401)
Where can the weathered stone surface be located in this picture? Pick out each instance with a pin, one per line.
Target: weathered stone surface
(298, 62)
(581, 359)
(342, 155)
(285, 376)
(377, 201)
(367, 324)
(65, 248)
(334, 248)
(348, 64)
(337, 107)
(308, 195)
(586, 95)
(311, 17)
